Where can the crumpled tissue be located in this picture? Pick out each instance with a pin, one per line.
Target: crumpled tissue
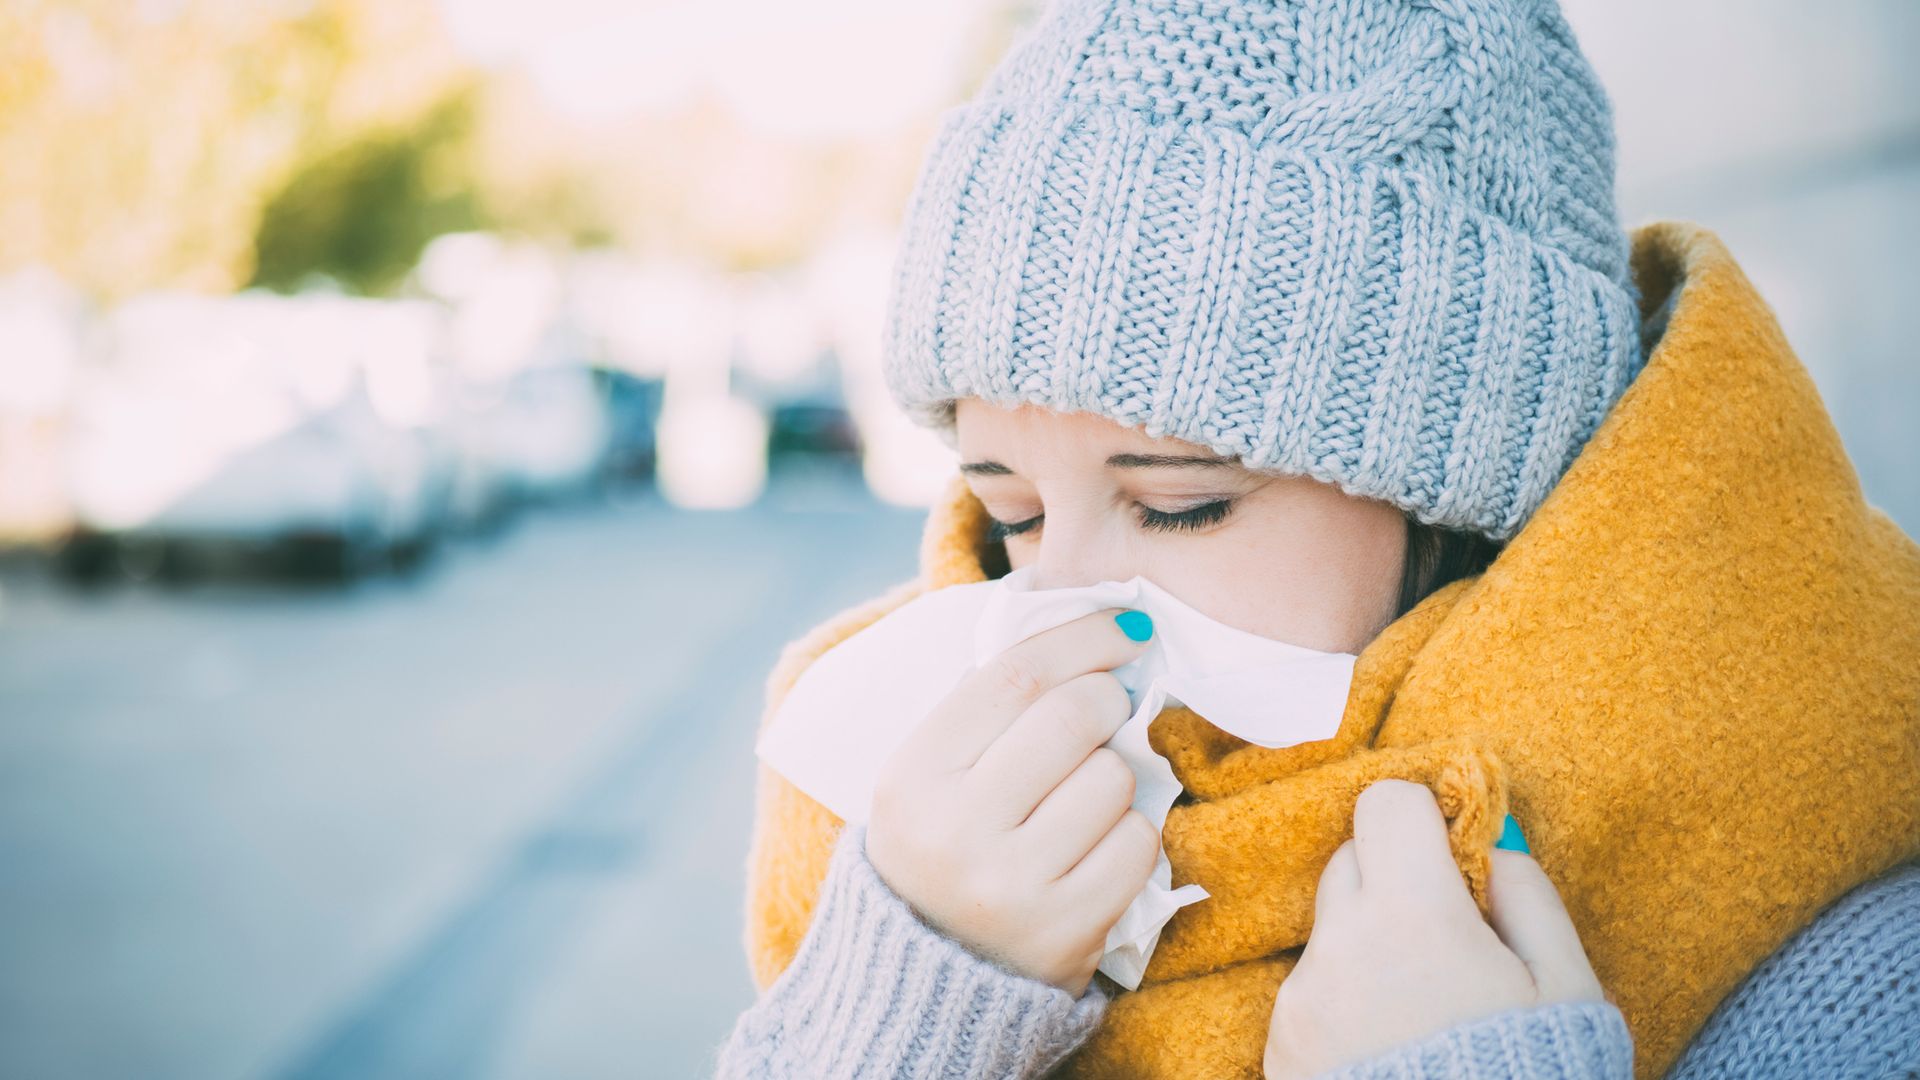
(854, 704)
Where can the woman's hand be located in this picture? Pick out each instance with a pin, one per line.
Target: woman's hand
(1399, 951)
(1003, 820)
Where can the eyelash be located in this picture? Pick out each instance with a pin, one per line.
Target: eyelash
(1198, 517)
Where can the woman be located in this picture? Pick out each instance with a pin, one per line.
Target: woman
(1321, 317)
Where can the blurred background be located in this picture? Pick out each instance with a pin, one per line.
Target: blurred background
(422, 422)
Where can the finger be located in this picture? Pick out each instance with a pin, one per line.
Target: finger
(1108, 877)
(989, 698)
(1081, 810)
(1400, 843)
(1339, 885)
(1526, 911)
(1047, 743)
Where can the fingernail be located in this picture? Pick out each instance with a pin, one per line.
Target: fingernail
(1510, 838)
(1137, 625)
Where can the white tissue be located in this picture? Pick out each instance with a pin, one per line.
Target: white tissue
(853, 705)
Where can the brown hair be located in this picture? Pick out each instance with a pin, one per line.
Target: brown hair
(1437, 557)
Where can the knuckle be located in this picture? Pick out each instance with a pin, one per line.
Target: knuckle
(1108, 694)
(1090, 713)
(1083, 725)
(1141, 837)
(1110, 772)
(1019, 672)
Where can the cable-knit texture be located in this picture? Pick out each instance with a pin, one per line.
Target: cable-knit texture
(875, 992)
(1370, 242)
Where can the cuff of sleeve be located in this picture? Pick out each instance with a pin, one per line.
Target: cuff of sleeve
(1575, 1040)
(878, 992)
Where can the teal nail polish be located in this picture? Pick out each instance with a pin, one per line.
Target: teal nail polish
(1510, 838)
(1138, 625)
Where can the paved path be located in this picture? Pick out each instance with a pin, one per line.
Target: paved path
(489, 825)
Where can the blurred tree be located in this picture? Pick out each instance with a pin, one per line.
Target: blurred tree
(209, 144)
(361, 213)
(142, 141)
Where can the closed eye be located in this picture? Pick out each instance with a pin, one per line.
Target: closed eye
(1188, 520)
(1198, 517)
(1000, 530)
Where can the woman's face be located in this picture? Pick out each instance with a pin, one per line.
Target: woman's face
(1082, 499)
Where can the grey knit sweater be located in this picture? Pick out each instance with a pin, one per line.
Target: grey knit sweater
(875, 992)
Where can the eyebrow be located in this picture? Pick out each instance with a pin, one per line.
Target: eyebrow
(1117, 461)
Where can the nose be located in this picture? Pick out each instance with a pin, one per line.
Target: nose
(1078, 554)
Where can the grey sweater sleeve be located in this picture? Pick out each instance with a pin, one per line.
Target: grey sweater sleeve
(875, 992)
(1578, 1040)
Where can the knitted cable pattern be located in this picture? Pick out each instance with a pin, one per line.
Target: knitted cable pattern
(1373, 242)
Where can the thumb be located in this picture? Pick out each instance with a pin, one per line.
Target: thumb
(1527, 914)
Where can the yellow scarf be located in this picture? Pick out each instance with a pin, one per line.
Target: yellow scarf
(1694, 677)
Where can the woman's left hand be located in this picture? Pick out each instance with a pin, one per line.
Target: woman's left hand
(1399, 951)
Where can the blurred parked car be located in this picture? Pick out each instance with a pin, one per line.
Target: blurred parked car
(299, 429)
(527, 418)
(807, 416)
(540, 434)
(632, 405)
(816, 424)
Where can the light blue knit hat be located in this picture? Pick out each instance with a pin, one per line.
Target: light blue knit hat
(1369, 241)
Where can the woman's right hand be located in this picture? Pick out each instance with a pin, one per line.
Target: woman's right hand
(1004, 821)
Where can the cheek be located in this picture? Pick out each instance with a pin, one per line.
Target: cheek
(1017, 554)
(1321, 589)
(1321, 576)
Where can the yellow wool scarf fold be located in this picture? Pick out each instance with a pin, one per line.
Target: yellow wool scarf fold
(1694, 677)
